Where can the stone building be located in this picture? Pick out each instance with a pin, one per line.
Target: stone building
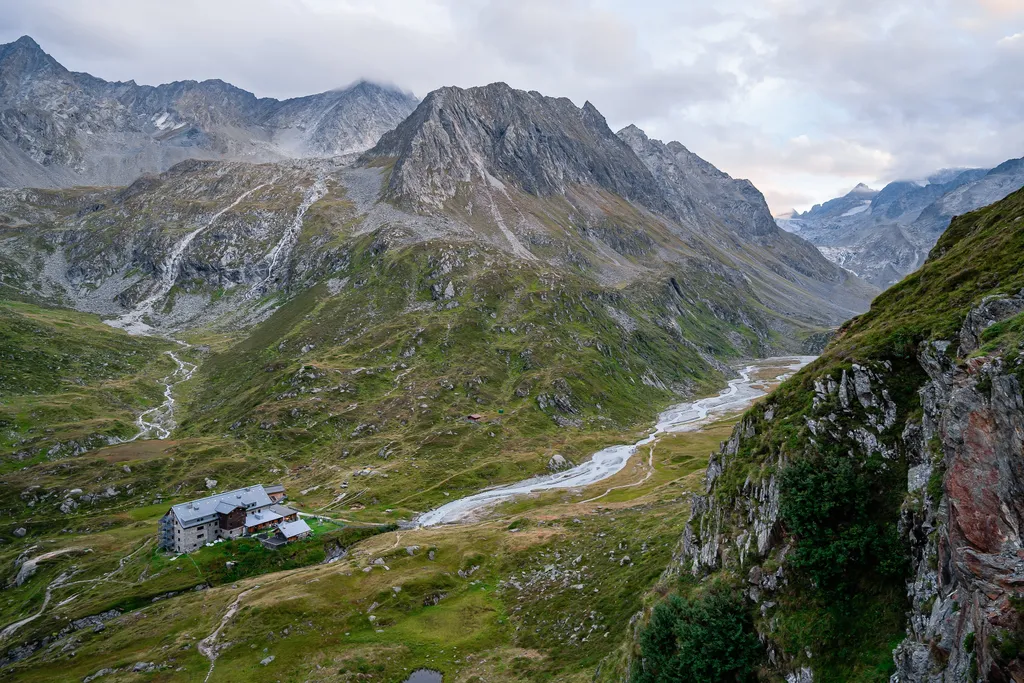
(188, 526)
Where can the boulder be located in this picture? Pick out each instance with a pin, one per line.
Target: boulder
(558, 463)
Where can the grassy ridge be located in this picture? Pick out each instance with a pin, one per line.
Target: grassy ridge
(68, 382)
(852, 632)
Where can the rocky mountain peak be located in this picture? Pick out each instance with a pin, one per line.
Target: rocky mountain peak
(60, 128)
(24, 46)
(24, 59)
(862, 191)
(497, 134)
(698, 190)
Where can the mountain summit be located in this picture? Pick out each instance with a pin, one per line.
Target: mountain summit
(60, 128)
(541, 145)
(548, 179)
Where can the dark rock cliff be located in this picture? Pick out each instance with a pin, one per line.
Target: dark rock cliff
(922, 397)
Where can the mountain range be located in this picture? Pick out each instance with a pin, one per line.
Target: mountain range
(536, 177)
(60, 128)
(884, 235)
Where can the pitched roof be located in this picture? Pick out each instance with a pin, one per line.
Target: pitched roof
(224, 507)
(205, 509)
(283, 510)
(274, 488)
(293, 529)
(258, 517)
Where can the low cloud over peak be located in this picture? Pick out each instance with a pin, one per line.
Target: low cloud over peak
(803, 98)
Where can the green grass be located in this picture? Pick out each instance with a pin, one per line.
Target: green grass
(380, 375)
(377, 375)
(68, 381)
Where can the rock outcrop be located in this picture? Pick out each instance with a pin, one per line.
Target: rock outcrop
(967, 615)
(948, 411)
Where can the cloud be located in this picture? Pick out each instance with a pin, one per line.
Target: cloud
(1011, 42)
(802, 97)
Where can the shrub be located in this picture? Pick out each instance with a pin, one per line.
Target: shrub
(838, 511)
(708, 639)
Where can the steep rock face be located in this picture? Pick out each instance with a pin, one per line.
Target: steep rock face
(924, 394)
(59, 128)
(696, 188)
(555, 182)
(205, 238)
(495, 134)
(967, 568)
(965, 620)
(882, 236)
(707, 197)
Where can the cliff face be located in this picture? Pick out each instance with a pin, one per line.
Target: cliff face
(495, 134)
(968, 558)
(920, 401)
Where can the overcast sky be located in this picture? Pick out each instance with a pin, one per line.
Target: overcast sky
(804, 97)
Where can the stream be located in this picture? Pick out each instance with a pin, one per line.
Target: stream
(683, 417)
(159, 421)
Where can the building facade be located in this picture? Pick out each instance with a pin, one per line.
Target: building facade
(191, 525)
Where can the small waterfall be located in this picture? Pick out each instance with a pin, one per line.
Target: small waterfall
(280, 252)
(159, 421)
(132, 322)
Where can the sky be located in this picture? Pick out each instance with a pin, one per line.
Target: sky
(806, 98)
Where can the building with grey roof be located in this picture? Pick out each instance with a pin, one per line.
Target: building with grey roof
(188, 526)
(294, 530)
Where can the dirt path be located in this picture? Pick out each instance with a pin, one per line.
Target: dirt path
(208, 645)
(62, 581)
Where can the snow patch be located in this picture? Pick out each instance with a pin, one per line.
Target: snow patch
(857, 209)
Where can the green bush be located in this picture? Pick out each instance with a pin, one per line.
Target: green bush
(838, 511)
(706, 639)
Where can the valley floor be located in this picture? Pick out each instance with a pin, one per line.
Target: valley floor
(545, 587)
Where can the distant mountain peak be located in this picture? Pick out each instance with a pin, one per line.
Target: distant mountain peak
(542, 145)
(365, 85)
(27, 41)
(67, 125)
(25, 55)
(861, 188)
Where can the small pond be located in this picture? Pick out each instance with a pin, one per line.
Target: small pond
(424, 676)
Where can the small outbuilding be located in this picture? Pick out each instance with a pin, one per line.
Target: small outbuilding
(294, 531)
(275, 492)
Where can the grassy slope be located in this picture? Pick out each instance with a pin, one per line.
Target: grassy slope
(981, 254)
(530, 633)
(328, 386)
(547, 589)
(381, 375)
(67, 380)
